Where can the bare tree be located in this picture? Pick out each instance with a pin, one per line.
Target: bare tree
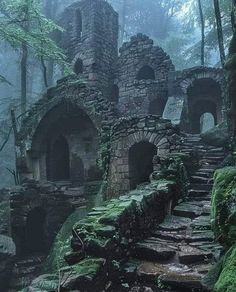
(202, 20)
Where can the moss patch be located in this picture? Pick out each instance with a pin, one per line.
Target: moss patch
(61, 244)
(227, 279)
(223, 210)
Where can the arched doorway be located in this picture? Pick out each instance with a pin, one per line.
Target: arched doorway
(200, 107)
(59, 160)
(114, 93)
(66, 142)
(207, 122)
(146, 73)
(157, 106)
(35, 231)
(141, 163)
(204, 96)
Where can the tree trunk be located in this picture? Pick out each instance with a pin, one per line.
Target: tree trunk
(219, 32)
(202, 32)
(50, 11)
(24, 60)
(44, 68)
(230, 66)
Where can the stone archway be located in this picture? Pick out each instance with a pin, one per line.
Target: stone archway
(66, 141)
(141, 162)
(203, 96)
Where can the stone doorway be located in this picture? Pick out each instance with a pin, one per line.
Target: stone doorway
(141, 163)
(59, 160)
(35, 241)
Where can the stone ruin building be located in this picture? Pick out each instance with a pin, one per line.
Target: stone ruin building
(132, 93)
(132, 97)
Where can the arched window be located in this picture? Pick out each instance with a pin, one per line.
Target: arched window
(59, 160)
(141, 163)
(145, 73)
(114, 94)
(78, 67)
(78, 24)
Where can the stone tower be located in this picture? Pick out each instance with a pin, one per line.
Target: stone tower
(90, 41)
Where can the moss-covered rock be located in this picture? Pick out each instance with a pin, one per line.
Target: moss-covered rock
(227, 279)
(223, 210)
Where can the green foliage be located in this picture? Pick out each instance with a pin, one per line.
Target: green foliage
(223, 205)
(227, 279)
(22, 21)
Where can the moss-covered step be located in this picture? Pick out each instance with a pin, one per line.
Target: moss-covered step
(84, 275)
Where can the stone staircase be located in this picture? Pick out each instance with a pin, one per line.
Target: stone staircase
(182, 249)
(25, 270)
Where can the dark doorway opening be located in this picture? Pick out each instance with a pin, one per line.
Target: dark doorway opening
(59, 160)
(145, 73)
(114, 93)
(141, 163)
(157, 106)
(35, 231)
(78, 67)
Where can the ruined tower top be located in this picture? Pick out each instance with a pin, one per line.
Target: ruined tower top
(90, 39)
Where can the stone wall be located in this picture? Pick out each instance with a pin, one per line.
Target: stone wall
(137, 93)
(126, 133)
(50, 206)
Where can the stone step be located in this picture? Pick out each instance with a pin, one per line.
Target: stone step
(171, 236)
(191, 210)
(152, 251)
(197, 193)
(190, 255)
(205, 172)
(173, 223)
(208, 166)
(205, 187)
(202, 222)
(200, 179)
(173, 275)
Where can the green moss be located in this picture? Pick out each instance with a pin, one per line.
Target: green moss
(88, 267)
(227, 279)
(61, 245)
(223, 205)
